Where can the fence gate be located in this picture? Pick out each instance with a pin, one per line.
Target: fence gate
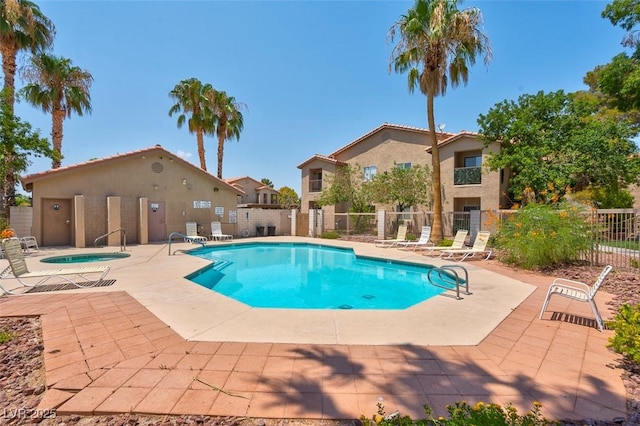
(302, 225)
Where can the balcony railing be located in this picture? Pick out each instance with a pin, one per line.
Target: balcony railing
(467, 175)
(315, 185)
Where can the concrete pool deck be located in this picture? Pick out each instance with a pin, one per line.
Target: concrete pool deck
(154, 341)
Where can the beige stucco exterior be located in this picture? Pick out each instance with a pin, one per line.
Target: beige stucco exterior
(254, 192)
(486, 195)
(117, 192)
(389, 145)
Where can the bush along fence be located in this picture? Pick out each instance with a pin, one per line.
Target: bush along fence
(597, 236)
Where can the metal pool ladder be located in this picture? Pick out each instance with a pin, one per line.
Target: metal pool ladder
(449, 272)
(191, 240)
(123, 238)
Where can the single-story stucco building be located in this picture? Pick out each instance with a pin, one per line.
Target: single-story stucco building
(148, 194)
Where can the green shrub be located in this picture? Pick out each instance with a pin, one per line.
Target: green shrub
(446, 242)
(463, 414)
(5, 336)
(330, 235)
(626, 324)
(540, 236)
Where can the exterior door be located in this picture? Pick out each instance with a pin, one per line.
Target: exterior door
(157, 222)
(56, 222)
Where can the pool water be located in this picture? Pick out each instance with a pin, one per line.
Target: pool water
(85, 258)
(310, 276)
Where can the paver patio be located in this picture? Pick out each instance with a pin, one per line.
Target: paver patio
(106, 352)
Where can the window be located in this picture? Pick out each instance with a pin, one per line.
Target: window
(403, 165)
(473, 161)
(370, 172)
(315, 180)
(274, 198)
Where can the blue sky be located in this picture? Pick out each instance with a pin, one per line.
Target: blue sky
(313, 74)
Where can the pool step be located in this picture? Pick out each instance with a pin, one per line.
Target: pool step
(219, 264)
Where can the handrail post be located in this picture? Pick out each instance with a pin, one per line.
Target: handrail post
(123, 238)
(185, 238)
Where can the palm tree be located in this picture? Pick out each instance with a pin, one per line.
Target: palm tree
(59, 88)
(191, 100)
(22, 27)
(437, 45)
(228, 120)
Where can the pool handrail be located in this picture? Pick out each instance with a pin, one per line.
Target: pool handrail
(451, 269)
(123, 238)
(191, 240)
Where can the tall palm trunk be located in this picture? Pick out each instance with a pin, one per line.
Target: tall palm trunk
(9, 54)
(200, 140)
(436, 226)
(57, 118)
(221, 138)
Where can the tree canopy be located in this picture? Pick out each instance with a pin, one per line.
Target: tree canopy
(403, 187)
(17, 141)
(348, 186)
(60, 88)
(555, 142)
(400, 187)
(289, 197)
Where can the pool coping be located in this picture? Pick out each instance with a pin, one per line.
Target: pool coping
(157, 280)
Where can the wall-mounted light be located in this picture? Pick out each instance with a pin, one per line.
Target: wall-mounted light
(215, 189)
(56, 206)
(184, 181)
(155, 187)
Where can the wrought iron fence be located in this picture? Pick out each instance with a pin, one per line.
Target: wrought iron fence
(615, 232)
(354, 223)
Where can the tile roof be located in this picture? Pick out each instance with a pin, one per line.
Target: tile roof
(47, 174)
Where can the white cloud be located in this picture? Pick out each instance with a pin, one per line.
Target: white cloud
(184, 155)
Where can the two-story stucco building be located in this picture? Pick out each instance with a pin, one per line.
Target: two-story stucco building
(254, 193)
(466, 184)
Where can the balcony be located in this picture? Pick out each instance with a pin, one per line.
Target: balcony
(315, 185)
(467, 176)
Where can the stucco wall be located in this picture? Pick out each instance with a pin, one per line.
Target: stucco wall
(154, 175)
(489, 191)
(387, 147)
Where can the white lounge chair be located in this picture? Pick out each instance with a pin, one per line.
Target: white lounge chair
(479, 248)
(216, 232)
(579, 291)
(401, 237)
(18, 270)
(192, 233)
(423, 241)
(458, 243)
(27, 242)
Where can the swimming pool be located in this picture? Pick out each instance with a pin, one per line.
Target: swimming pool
(311, 276)
(85, 258)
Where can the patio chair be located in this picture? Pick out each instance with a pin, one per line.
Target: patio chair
(192, 233)
(423, 241)
(18, 270)
(576, 290)
(26, 242)
(458, 243)
(479, 249)
(401, 237)
(216, 232)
